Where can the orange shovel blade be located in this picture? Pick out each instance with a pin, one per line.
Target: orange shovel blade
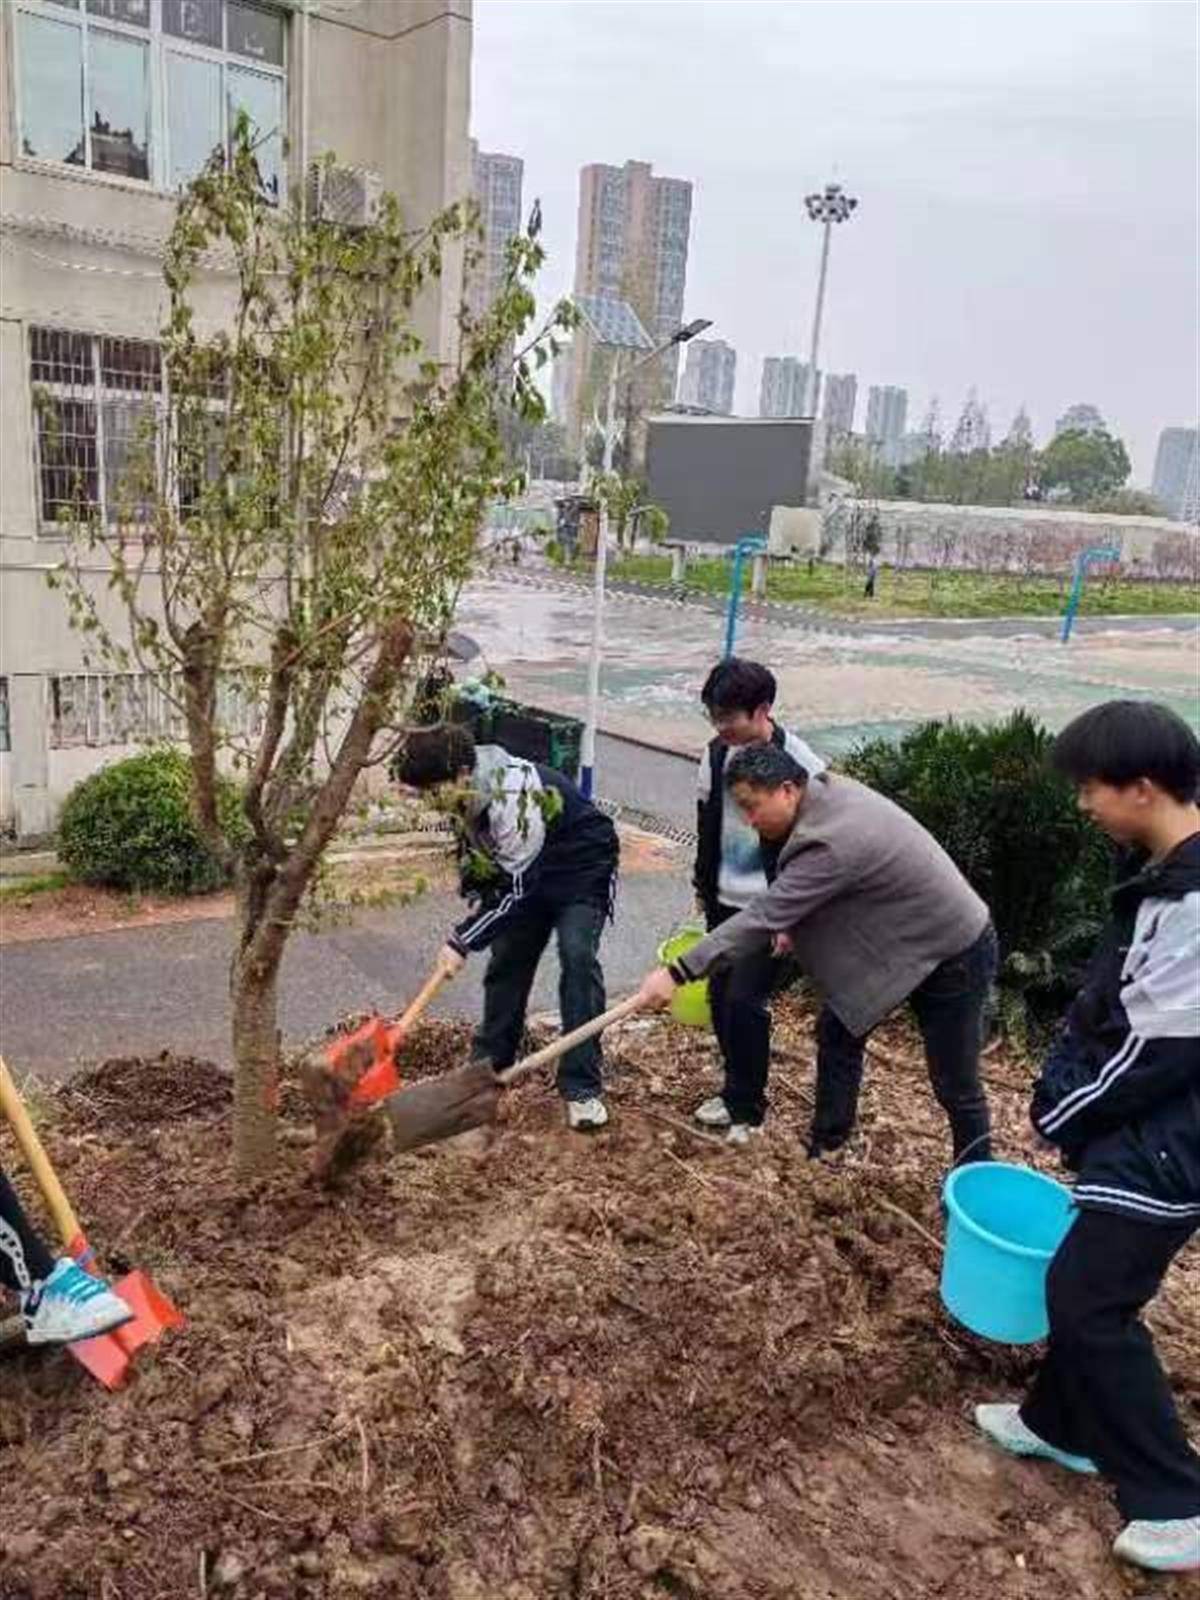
(109, 1356)
(377, 1082)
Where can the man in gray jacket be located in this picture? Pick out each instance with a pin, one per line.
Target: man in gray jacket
(874, 911)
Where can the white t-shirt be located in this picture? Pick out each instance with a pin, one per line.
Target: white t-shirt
(741, 876)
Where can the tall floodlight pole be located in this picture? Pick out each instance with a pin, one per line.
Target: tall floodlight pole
(613, 325)
(831, 205)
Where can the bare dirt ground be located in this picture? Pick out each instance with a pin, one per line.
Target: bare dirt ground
(529, 1366)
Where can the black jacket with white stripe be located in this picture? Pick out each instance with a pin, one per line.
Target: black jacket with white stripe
(546, 846)
(1120, 1092)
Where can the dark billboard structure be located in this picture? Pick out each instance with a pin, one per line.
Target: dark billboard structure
(719, 478)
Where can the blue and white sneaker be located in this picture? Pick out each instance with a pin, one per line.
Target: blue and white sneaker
(1003, 1425)
(69, 1305)
(1172, 1546)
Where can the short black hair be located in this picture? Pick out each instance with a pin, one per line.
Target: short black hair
(430, 756)
(1124, 740)
(764, 766)
(738, 685)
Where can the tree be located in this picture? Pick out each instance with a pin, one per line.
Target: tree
(628, 509)
(1086, 463)
(322, 485)
(1128, 503)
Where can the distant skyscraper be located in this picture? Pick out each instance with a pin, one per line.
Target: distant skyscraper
(1080, 418)
(784, 390)
(841, 395)
(1177, 472)
(887, 413)
(496, 186)
(631, 243)
(708, 376)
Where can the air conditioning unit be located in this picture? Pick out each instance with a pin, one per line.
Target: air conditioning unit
(349, 197)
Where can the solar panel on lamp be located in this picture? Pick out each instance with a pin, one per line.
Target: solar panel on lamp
(613, 322)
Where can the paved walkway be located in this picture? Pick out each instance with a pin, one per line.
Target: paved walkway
(138, 991)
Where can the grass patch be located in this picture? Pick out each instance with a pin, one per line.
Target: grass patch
(22, 888)
(928, 594)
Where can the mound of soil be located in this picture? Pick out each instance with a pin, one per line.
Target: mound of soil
(529, 1366)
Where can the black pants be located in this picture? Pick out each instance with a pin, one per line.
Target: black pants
(950, 1007)
(24, 1259)
(509, 978)
(740, 996)
(1100, 1392)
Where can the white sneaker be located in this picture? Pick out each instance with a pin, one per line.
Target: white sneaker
(1172, 1546)
(713, 1113)
(1003, 1425)
(585, 1116)
(71, 1305)
(742, 1132)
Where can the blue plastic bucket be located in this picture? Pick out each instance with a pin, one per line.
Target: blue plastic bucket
(1004, 1226)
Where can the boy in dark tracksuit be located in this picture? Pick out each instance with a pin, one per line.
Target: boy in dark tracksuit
(549, 862)
(1120, 1097)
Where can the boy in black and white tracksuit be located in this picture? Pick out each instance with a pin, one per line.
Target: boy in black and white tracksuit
(549, 861)
(1119, 1095)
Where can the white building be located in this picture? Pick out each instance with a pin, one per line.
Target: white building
(496, 185)
(708, 376)
(887, 413)
(786, 389)
(1177, 472)
(839, 400)
(106, 108)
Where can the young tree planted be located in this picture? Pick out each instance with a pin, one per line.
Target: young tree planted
(307, 506)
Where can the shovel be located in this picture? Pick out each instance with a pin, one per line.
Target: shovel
(109, 1356)
(467, 1097)
(376, 1042)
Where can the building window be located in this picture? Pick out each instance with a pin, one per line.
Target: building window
(95, 709)
(5, 725)
(100, 421)
(98, 412)
(149, 89)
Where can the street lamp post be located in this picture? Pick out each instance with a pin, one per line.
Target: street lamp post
(587, 757)
(831, 205)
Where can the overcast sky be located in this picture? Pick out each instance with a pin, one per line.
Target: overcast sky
(1027, 178)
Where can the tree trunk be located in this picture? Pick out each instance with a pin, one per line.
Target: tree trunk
(256, 1056)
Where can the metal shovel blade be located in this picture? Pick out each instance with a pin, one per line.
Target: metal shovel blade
(441, 1107)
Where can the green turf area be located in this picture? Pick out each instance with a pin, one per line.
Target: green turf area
(928, 594)
(19, 888)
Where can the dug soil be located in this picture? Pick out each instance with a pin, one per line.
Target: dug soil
(527, 1365)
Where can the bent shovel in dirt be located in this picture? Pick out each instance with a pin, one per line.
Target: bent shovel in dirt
(109, 1356)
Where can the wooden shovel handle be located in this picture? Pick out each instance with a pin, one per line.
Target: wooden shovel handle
(39, 1162)
(430, 987)
(559, 1047)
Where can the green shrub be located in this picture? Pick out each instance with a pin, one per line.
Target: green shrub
(129, 826)
(989, 797)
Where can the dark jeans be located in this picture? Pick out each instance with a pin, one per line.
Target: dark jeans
(23, 1256)
(950, 1007)
(509, 978)
(1100, 1392)
(740, 996)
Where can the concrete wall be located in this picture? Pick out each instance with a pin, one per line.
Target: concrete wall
(388, 87)
(1014, 539)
